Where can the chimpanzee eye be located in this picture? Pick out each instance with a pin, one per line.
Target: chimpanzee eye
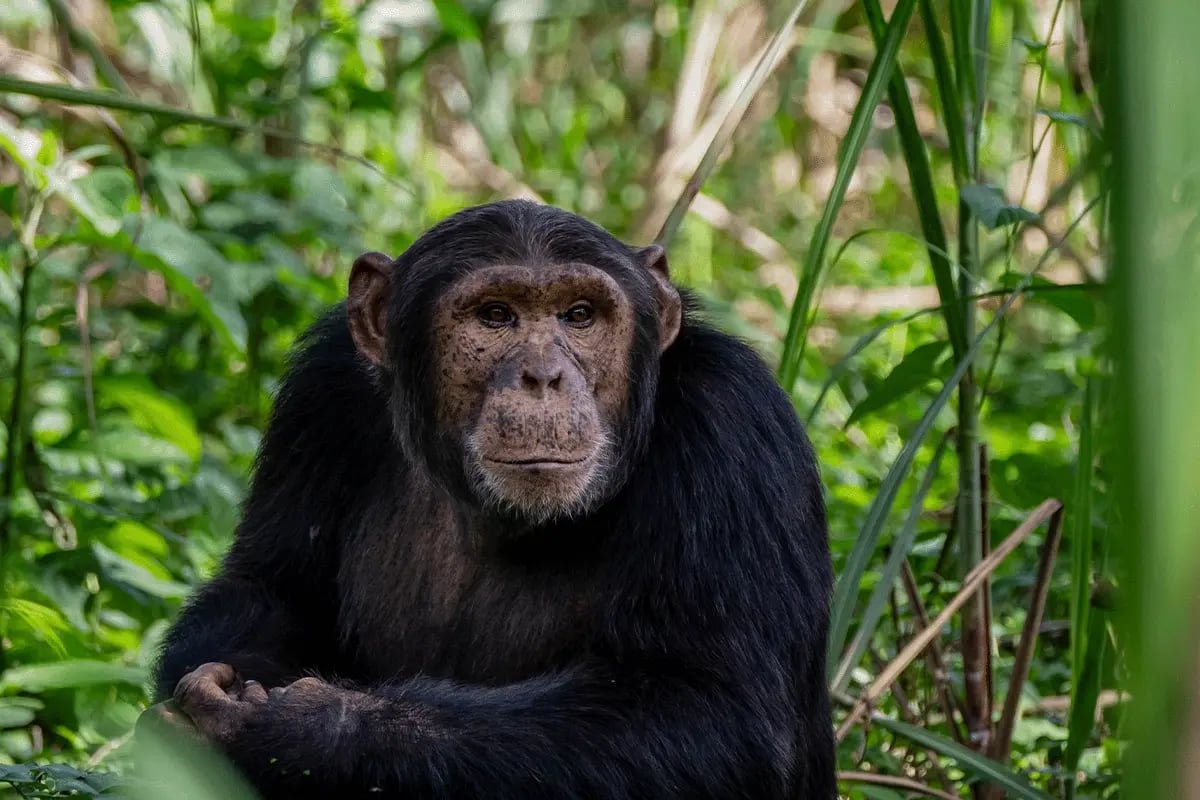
(497, 315)
(579, 315)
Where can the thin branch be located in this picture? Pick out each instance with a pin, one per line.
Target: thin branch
(933, 654)
(896, 782)
(971, 583)
(1002, 743)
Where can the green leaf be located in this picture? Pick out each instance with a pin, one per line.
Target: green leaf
(216, 166)
(17, 712)
(1070, 119)
(110, 195)
(967, 760)
(138, 447)
(44, 622)
(153, 410)
(1030, 44)
(455, 20)
(1075, 301)
(187, 262)
(71, 674)
(121, 570)
(915, 370)
(988, 204)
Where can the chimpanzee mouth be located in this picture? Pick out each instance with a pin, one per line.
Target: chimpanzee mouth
(539, 462)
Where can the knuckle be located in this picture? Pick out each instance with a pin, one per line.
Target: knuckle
(186, 688)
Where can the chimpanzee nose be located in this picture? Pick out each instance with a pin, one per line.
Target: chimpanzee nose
(539, 377)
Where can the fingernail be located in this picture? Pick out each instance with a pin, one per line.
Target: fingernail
(251, 683)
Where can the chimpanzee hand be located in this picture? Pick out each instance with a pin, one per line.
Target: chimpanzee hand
(220, 706)
(207, 701)
(215, 701)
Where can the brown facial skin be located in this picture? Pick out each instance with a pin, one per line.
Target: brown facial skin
(531, 370)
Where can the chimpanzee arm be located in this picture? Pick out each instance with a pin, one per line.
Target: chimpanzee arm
(580, 734)
(270, 612)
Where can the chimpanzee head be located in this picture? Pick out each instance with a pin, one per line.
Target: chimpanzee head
(521, 345)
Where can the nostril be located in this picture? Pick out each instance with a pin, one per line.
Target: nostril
(539, 379)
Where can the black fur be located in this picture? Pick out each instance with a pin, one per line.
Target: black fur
(669, 645)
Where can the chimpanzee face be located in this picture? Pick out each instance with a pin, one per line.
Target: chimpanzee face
(522, 343)
(532, 381)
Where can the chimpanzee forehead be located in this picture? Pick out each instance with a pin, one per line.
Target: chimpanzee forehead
(517, 232)
(535, 282)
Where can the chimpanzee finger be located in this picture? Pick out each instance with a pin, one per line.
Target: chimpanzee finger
(205, 687)
(253, 692)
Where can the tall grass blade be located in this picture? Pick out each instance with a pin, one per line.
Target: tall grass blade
(1083, 653)
(851, 149)
(846, 591)
(1156, 277)
(708, 162)
(969, 761)
(921, 180)
(947, 91)
(888, 575)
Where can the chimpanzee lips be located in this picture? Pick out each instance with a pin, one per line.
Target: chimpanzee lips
(538, 461)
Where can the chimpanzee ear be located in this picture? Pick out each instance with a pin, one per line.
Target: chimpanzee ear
(367, 305)
(670, 306)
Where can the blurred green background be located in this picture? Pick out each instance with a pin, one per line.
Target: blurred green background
(964, 232)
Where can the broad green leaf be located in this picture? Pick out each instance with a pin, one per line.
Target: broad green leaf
(17, 712)
(455, 20)
(100, 196)
(915, 370)
(153, 410)
(967, 760)
(138, 447)
(71, 674)
(1076, 301)
(45, 622)
(121, 570)
(58, 780)
(216, 166)
(188, 262)
(989, 205)
(1070, 119)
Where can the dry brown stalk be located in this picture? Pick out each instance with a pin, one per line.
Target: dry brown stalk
(971, 584)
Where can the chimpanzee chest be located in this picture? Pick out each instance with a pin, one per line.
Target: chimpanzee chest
(423, 600)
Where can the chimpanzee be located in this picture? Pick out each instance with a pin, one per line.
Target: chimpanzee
(521, 526)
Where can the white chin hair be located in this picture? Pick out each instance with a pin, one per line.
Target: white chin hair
(547, 499)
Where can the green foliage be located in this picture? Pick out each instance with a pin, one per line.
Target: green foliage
(169, 228)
